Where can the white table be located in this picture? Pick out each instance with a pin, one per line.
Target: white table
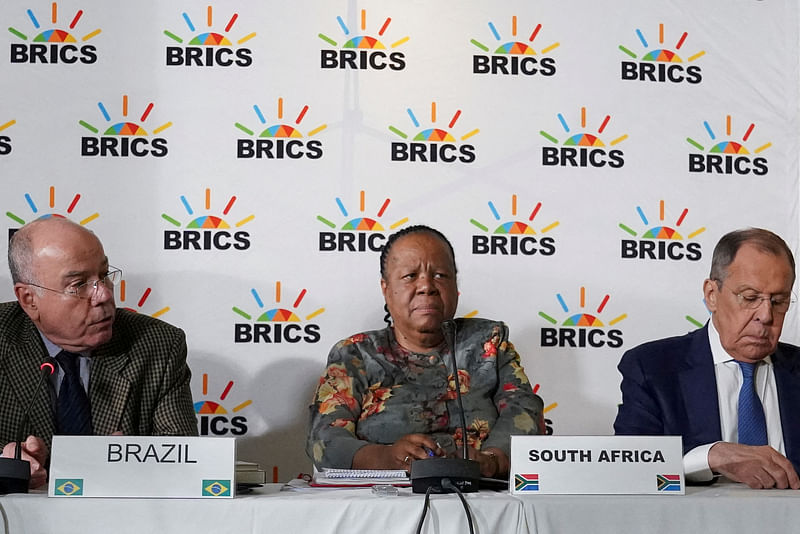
(312, 511)
(721, 508)
(727, 509)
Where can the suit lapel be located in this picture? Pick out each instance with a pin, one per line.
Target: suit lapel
(787, 380)
(109, 388)
(23, 370)
(699, 389)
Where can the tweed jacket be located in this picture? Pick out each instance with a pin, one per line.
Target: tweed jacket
(138, 385)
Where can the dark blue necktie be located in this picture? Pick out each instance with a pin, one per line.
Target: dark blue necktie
(73, 412)
(752, 423)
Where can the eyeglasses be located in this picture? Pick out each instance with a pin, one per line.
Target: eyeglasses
(750, 300)
(87, 289)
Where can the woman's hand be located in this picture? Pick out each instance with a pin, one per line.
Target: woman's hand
(398, 455)
(414, 447)
(493, 461)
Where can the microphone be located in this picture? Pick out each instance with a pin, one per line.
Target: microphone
(446, 475)
(449, 330)
(15, 473)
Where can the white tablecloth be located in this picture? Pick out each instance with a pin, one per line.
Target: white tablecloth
(727, 509)
(312, 511)
(721, 508)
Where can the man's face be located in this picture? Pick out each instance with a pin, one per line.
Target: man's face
(420, 285)
(750, 335)
(63, 258)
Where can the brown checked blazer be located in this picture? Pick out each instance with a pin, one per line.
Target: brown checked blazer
(139, 381)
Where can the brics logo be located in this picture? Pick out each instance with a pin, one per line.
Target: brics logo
(362, 52)
(214, 419)
(548, 422)
(5, 141)
(123, 138)
(582, 149)
(661, 64)
(513, 237)
(276, 324)
(581, 329)
(140, 302)
(279, 140)
(359, 234)
(36, 211)
(54, 45)
(661, 242)
(513, 57)
(209, 48)
(697, 323)
(431, 145)
(206, 232)
(727, 156)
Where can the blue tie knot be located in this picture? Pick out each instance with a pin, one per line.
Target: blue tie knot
(748, 369)
(68, 362)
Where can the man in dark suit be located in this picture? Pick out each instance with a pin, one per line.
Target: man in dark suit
(730, 389)
(124, 373)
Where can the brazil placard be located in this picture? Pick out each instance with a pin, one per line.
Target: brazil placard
(142, 466)
(596, 465)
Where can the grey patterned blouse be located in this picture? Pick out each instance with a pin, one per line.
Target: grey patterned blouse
(375, 391)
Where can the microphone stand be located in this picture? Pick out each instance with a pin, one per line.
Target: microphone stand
(447, 475)
(15, 473)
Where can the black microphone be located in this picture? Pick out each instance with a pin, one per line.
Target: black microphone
(15, 473)
(446, 475)
(449, 330)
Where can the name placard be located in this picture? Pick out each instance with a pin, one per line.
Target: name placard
(142, 466)
(597, 465)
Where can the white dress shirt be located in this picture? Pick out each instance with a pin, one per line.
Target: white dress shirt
(84, 365)
(729, 382)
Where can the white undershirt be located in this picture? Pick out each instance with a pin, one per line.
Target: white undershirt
(729, 382)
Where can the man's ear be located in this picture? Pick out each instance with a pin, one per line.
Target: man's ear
(711, 294)
(28, 299)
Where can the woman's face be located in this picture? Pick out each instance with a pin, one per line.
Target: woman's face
(420, 287)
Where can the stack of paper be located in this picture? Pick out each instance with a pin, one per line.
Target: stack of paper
(359, 477)
(249, 474)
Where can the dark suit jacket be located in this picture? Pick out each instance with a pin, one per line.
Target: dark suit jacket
(139, 381)
(669, 388)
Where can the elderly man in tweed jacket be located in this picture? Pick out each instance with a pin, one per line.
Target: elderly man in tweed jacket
(131, 368)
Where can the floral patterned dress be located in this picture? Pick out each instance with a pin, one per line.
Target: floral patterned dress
(375, 391)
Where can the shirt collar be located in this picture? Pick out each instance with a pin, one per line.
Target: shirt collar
(53, 349)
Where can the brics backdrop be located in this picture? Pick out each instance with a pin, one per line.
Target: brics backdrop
(244, 161)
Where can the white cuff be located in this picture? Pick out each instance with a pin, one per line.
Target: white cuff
(695, 464)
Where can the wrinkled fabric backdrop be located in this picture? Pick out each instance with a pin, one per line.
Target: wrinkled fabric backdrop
(244, 161)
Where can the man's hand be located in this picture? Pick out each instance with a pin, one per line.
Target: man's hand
(757, 466)
(34, 451)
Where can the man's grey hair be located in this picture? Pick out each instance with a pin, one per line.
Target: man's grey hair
(730, 243)
(20, 247)
(20, 256)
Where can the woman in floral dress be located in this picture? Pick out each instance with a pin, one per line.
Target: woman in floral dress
(387, 397)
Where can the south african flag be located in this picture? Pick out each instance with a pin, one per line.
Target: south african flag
(668, 482)
(529, 482)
